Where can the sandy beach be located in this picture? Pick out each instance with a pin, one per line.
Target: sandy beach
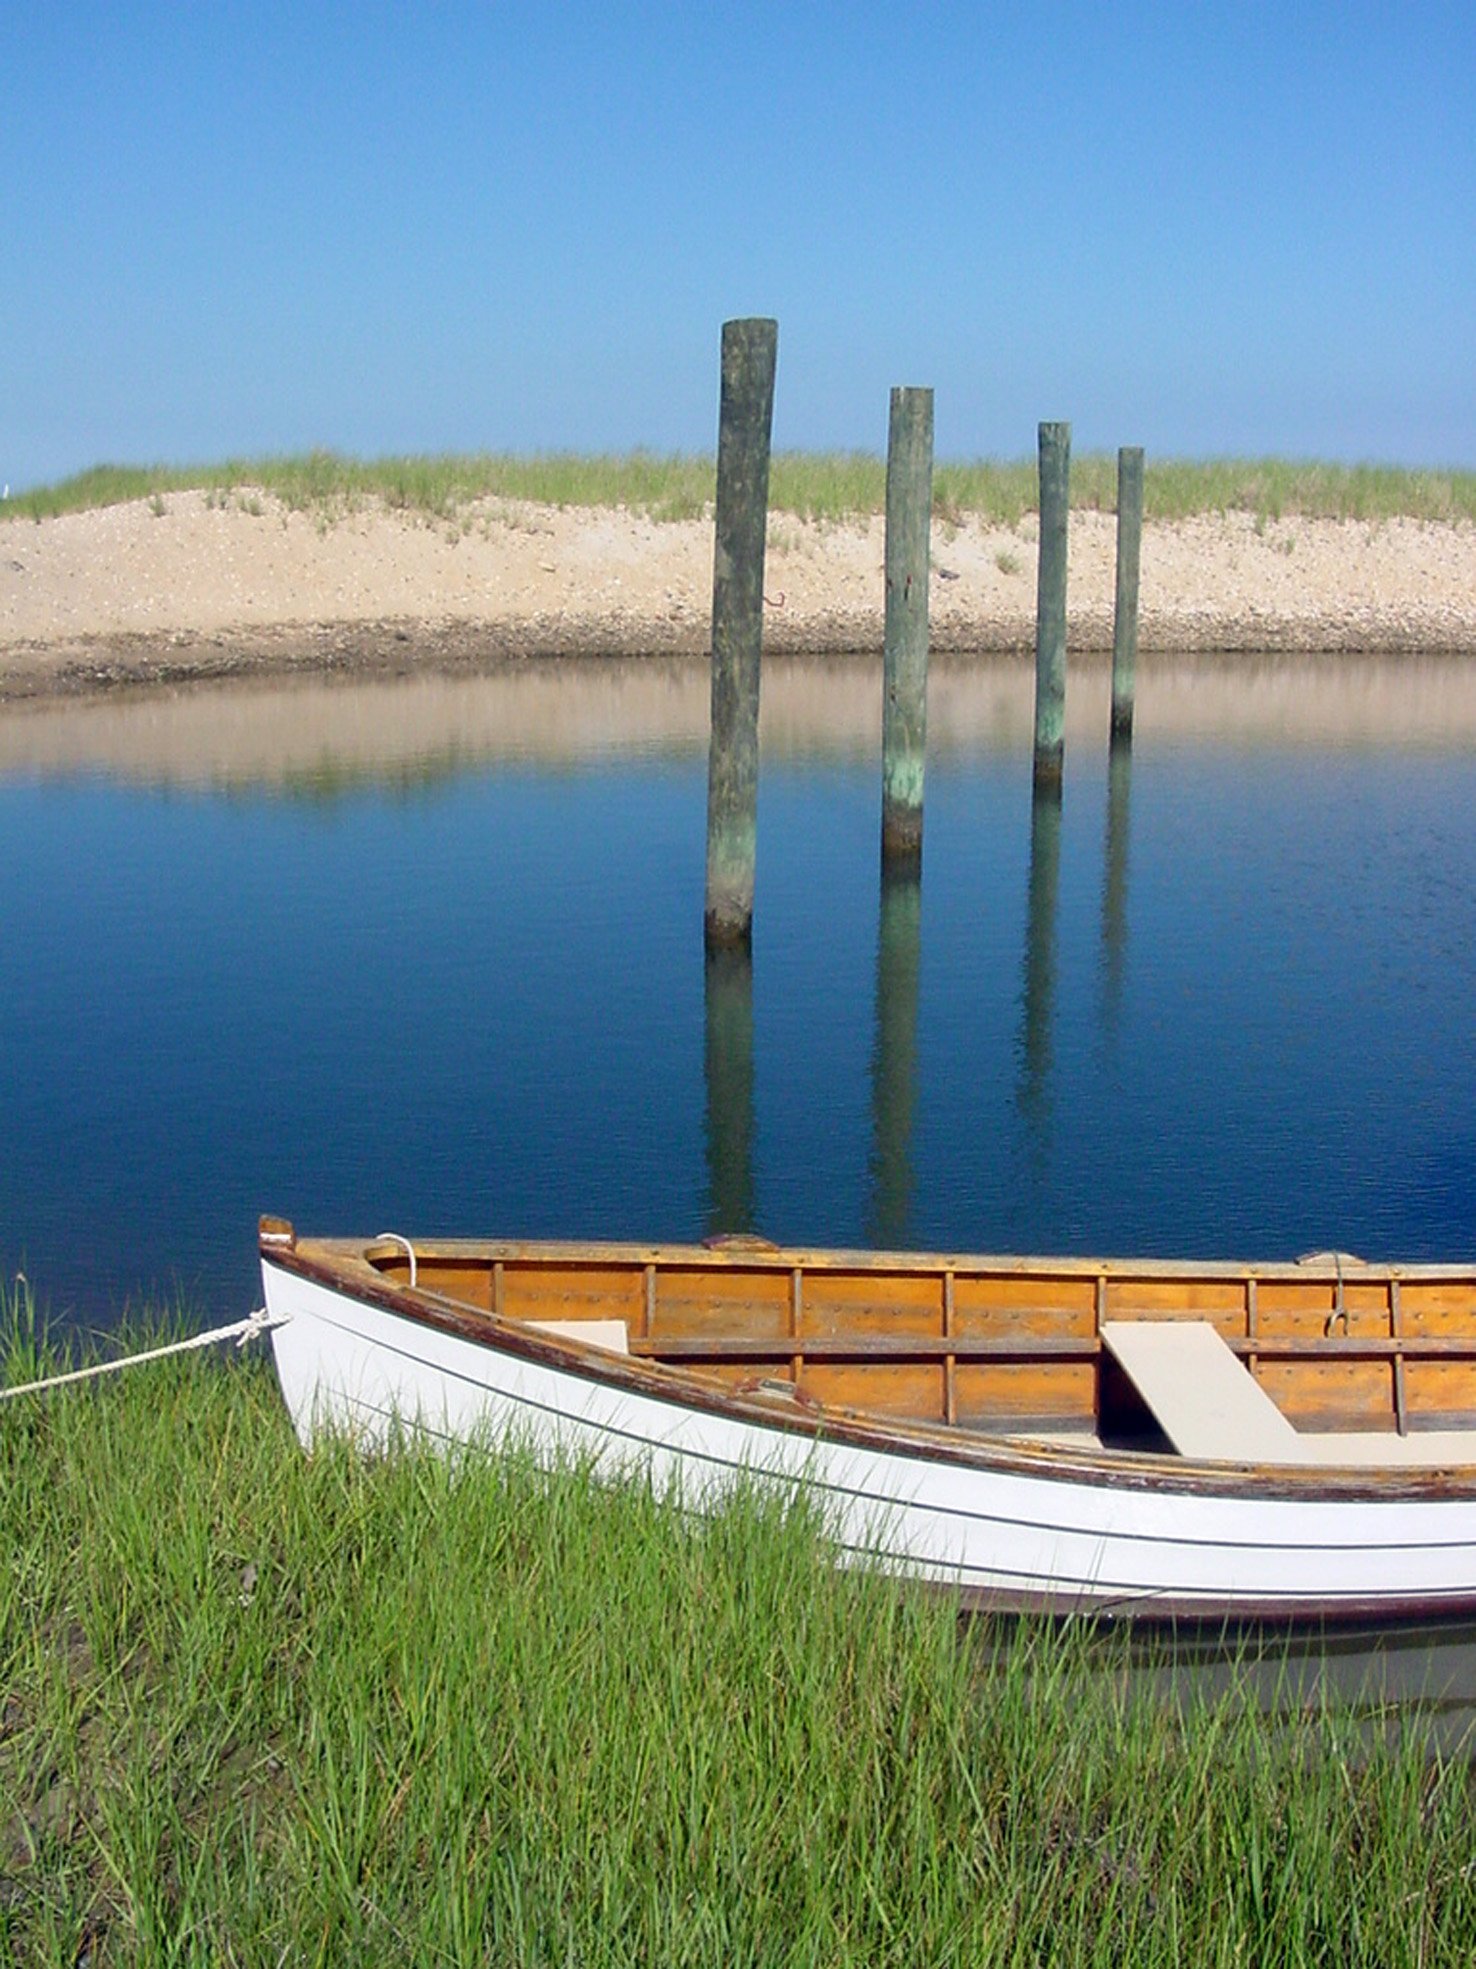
(188, 587)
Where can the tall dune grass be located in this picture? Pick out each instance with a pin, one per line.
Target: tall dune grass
(264, 1708)
(834, 486)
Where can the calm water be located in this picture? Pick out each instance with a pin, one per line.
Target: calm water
(429, 957)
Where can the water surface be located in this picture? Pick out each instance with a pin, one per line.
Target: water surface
(428, 956)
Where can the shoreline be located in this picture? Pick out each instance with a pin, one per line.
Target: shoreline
(191, 590)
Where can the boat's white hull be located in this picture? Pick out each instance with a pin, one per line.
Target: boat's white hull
(1013, 1528)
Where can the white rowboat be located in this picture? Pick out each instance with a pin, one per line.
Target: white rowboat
(1209, 1442)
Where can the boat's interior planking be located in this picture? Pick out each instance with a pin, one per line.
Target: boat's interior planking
(1005, 1347)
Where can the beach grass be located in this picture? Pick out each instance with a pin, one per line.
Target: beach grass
(261, 1707)
(821, 486)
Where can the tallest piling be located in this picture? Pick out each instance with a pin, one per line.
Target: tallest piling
(745, 419)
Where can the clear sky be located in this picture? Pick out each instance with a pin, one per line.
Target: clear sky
(1222, 227)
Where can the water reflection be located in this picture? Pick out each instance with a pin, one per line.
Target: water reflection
(728, 1078)
(894, 1058)
(1379, 1685)
(317, 737)
(1115, 882)
(1038, 988)
(255, 992)
(1419, 1681)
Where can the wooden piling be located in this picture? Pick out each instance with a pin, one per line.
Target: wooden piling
(1125, 618)
(905, 658)
(745, 420)
(1050, 608)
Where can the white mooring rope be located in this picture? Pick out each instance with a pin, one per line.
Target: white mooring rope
(241, 1331)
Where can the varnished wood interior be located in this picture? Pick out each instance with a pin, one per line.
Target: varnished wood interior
(1007, 1346)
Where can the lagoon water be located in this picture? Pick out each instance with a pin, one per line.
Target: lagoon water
(427, 955)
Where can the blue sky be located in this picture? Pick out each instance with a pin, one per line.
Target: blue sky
(231, 229)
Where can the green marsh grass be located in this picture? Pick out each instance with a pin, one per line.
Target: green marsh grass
(265, 1708)
(822, 486)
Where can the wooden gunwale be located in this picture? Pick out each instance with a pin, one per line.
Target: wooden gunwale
(342, 1265)
(786, 1259)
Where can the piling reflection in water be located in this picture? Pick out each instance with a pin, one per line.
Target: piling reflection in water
(1115, 883)
(894, 1058)
(1038, 989)
(728, 1071)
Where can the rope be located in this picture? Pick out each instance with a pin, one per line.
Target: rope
(241, 1331)
(393, 1237)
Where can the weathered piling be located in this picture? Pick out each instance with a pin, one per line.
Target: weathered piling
(905, 655)
(728, 1077)
(745, 419)
(1125, 617)
(1050, 608)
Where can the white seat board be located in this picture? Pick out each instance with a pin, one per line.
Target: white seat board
(1426, 1449)
(612, 1335)
(1203, 1399)
(1210, 1406)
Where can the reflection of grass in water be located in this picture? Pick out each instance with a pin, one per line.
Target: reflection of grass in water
(426, 1710)
(329, 781)
(831, 486)
(326, 781)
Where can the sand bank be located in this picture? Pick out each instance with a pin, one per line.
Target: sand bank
(184, 588)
